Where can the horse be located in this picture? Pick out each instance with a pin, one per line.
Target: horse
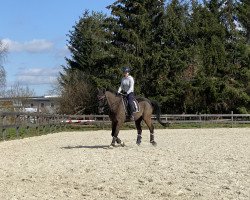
(117, 114)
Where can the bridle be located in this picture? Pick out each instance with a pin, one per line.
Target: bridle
(101, 97)
(106, 105)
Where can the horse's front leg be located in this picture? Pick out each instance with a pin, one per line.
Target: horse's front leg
(114, 134)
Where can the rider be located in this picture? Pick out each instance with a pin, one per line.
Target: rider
(127, 87)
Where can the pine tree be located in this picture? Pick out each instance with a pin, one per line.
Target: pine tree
(219, 82)
(208, 37)
(89, 48)
(134, 25)
(243, 8)
(87, 66)
(152, 42)
(171, 84)
(189, 57)
(237, 67)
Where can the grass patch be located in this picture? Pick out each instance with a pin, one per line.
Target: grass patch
(25, 132)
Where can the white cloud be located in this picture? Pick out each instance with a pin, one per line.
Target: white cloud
(33, 46)
(37, 76)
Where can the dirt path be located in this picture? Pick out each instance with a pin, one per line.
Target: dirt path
(186, 164)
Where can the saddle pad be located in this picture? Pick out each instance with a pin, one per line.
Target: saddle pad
(136, 107)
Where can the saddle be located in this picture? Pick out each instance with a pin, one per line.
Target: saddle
(135, 108)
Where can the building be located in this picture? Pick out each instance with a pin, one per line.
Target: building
(41, 104)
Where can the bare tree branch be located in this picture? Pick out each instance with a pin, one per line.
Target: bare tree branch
(3, 51)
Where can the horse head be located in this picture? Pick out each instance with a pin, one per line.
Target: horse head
(102, 101)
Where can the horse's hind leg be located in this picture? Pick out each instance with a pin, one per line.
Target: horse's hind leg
(149, 123)
(139, 130)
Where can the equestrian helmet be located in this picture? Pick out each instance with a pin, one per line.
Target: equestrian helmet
(126, 69)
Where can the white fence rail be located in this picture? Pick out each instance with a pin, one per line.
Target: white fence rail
(18, 120)
(171, 118)
(207, 118)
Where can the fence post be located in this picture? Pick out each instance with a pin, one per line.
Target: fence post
(50, 124)
(55, 122)
(3, 128)
(103, 118)
(27, 124)
(38, 124)
(232, 118)
(17, 132)
(200, 119)
(17, 123)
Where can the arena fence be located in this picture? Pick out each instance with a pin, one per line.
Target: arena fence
(44, 123)
(26, 122)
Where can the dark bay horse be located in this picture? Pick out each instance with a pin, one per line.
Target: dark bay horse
(117, 114)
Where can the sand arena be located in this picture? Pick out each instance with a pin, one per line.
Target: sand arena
(186, 164)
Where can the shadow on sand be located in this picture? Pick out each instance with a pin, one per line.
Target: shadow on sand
(86, 147)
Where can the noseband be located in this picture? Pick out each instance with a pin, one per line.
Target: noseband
(101, 97)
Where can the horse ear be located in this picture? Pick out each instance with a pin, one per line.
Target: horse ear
(109, 89)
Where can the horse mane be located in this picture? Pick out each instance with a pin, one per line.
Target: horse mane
(111, 90)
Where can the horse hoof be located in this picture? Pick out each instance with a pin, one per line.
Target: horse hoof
(138, 141)
(153, 143)
(122, 144)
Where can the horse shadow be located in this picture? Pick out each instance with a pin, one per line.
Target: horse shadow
(86, 147)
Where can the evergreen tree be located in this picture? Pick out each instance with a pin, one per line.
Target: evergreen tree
(243, 14)
(189, 57)
(134, 25)
(89, 48)
(237, 61)
(88, 63)
(208, 37)
(219, 82)
(171, 83)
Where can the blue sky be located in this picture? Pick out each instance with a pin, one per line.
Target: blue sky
(35, 33)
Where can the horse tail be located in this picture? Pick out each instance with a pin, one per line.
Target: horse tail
(157, 111)
(156, 107)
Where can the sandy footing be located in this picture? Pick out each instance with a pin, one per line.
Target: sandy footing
(186, 164)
